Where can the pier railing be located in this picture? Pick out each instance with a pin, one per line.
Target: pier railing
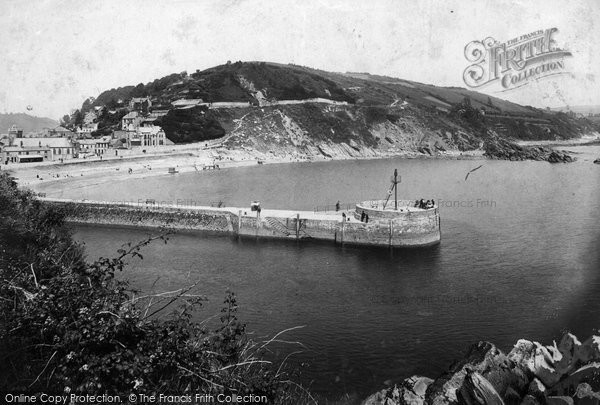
(334, 207)
(378, 204)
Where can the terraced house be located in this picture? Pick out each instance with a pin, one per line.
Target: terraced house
(23, 150)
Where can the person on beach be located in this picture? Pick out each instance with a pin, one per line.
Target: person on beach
(343, 216)
(337, 206)
(366, 218)
(362, 216)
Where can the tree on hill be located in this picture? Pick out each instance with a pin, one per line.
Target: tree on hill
(191, 125)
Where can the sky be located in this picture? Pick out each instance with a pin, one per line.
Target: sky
(56, 53)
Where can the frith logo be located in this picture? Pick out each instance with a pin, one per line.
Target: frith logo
(514, 63)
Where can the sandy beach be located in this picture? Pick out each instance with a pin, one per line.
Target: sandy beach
(51, 177)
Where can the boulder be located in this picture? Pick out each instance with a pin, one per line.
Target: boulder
(414, 388)
(537, 390)
(559, 157)
(425, 150)
(476, 390)
(530, 400)
(537, 360)
(589, 350)
(568, 347)
(588, 374)
(560, 401)
(584, 390)
(409, 392)
(512, 397)
(597, 161)
(485, 359)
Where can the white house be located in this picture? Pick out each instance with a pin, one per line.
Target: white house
(131, 121)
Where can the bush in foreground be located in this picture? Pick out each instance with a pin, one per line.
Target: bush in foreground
(71, 326)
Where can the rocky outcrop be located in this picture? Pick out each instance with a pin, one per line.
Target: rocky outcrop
(597, 161)
(410, 391)
(559, 157)
(530, 374)
(497, 148)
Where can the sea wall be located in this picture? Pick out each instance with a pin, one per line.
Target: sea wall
(146, 215)
(416, 229)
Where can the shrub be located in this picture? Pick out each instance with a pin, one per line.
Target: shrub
(72, 326)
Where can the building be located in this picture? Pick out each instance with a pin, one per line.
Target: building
(140, 103)
(148, 121)
(90, 117)
(86, 130)
(151, 136)
(155, 113)
(96, 147)
(15, 132)
(131, 121)
(21, 150)
(61, 132)
(18, 154)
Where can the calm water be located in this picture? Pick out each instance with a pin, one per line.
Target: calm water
(519, 258)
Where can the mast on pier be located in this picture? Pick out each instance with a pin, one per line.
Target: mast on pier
(395, 180)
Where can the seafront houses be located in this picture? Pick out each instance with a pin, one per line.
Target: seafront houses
(97, 147)
(143, 136)
(151, 136)
(22, 150)
(139, 130)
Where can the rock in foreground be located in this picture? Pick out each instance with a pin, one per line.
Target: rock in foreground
(531, 373)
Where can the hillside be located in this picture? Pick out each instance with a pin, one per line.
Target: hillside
(292, 110)
(28, 123)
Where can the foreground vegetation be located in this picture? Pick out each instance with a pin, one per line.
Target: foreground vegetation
(68, 325)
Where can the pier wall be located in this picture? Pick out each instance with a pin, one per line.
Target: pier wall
(147, 216)
(414, 229)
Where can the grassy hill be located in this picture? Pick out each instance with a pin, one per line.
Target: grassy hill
(373, 113)
(28, 123)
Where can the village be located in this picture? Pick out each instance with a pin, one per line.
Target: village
(137, 132)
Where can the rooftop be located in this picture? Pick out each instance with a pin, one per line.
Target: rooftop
(51, 142)
(133, 114)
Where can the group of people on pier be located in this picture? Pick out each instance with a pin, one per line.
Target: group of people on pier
(424, 204)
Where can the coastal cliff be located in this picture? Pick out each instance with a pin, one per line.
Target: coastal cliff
(271, 110)
(530, 374)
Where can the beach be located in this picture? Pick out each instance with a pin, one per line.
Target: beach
(52, 177)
